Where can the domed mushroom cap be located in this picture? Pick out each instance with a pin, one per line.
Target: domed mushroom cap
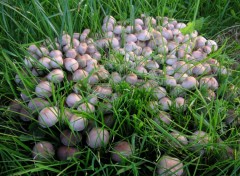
(65, 152)
(118, 29)
(209, 82)
(198, 69)
(190, 83)
(114, 43)
(162, 49)
(78, 123)
(163, 117)
(37, 104)
(79, 75)
(93, 79)
(180, 25)
(97, 137)
(48, 116)
(106, 27)
(93, 99)
(130, 46)
(72, 53)
(73, 99)
(109, 19)
(70, 64)
(43, 150)
(131, 38)
(116, 77)
(140, 69)
(42, 51)
(152, 65)
(144, 35)
(69, 138)
(180, 77)
(159, 92)
(170, 81)
(200, 42)
(91, 48)
(82, 48)
(138, 21)
(43, 89)
(44, 62)
(56, 76)
(169, 71)
(131, 78)
(165, 103)
(181, 139)
(55, 53)
(32, 48)
(170, 166)
(212, 44)
(180, 103)
(103, 74)
(86, 107)
(103, 91)
(56, 62)
(121, 150)
(167, 34)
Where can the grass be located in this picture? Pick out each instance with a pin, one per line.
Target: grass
(25, 22)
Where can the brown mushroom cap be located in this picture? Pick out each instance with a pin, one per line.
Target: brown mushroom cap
(97, 138)
(43, 150)
(69, 138)
(121, 150)
(65, 152)
(48, 116)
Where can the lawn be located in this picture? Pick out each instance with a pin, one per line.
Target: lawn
(131, 115)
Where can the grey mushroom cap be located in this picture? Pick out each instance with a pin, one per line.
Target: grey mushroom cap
(56, 62)
(163, 117)
(70, 64)
(37, 104)
(79, 75)
(73, 99)
(159, 92)
(121, 150)
(77, 123)
(43, 89)
(131, 78)
(103, 91)
(180, 138)
(97, 137)
(68, 138)
(170, 166)
(165, 103)
(66, 152)
(56, 76)
(43, 151)
(144, 35)
(48, 116)
(86, 107)
(190, 83)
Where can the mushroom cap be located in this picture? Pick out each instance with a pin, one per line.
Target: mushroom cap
(106, 27)
(37, 104)
(65, 152)
(48, 116)
(170, 81)
(56, 76)
(198, 139)
(79, 75)
(116, 77)
(169, 166)
(43, 150)
(165, 103)
(78, 123)
(97, 137)
(181, 139)
(82, 48)
(86, 107)
(56, 62)
(131, 78)
(131, 38)
(43, 89)
(118, 29)
(103, 91)
(70, 64)
(144, 35)
(159, 92)
(44, 61)
(93, 99)
(109, 19)
(55, 53)
(25, 115)
(73, 99)
(164, 117)
(190, 83)
(121, 150)
(71, 53)
(69, 138)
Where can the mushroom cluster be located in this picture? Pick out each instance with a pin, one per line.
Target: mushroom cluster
(146, 53)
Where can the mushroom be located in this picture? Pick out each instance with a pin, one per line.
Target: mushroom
(71, 53)
(182, 140)
(209, 82)
(97, 137)
(198, 70)
(118, 29)
(73, 99)
(82, 48)
(45, 62)
(103, 91)
(163, 117)
(93, 99)
(43, 89)
(168, 165)
(190, 83)
(144, 35)
(56, 76)
(93, 79)
(79, 75)
(121, 150)
(170, 81)
(37, 104)
(159, 92)
(69, 138)
(106, 27)
(25, 114)
(86, 107)
(152, 65)
(165, 103)
(116, 77)
(48, 116)
(131, 78)
(43, 151)
(180, 77)
(198, 140)
(64, 152)
(32, 48)
(131, 38)
(56, 62)
(42, 51)
(78, 123)
(180, 103)
(70, 64)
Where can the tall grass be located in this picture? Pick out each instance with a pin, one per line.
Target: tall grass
(25, 22)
